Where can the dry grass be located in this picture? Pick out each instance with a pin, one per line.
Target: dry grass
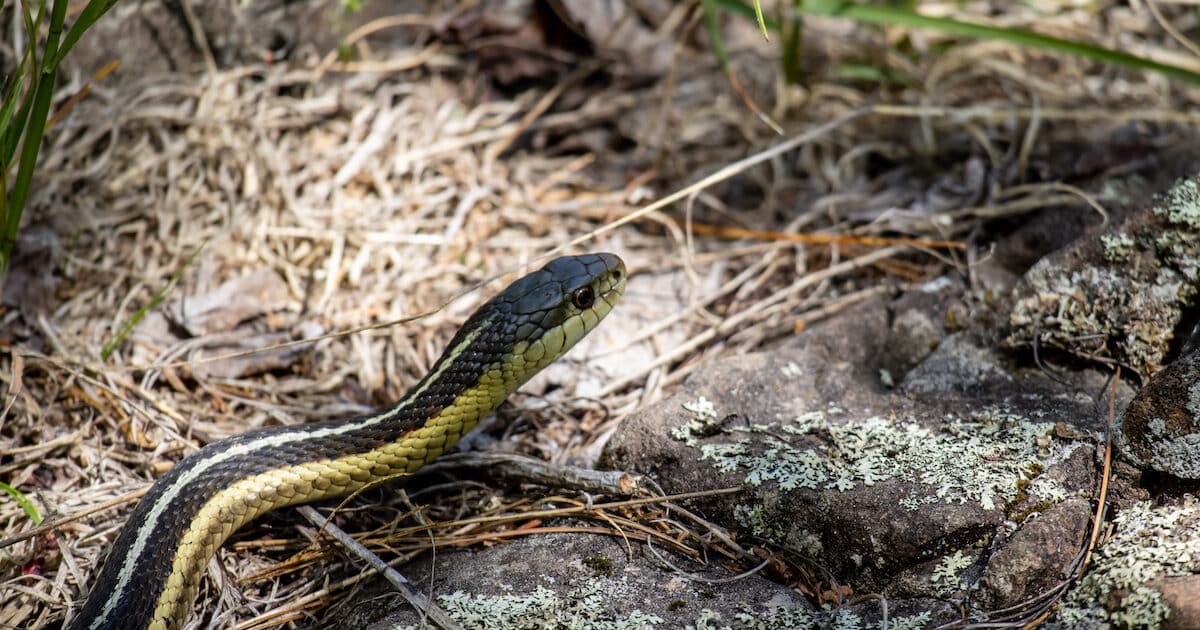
(375, 197)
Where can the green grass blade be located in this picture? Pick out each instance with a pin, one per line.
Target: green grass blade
(12, 138)
(23, 501)
(737, 7)
(27, 67)
(762, 23)
(137, 316)
(10, 126)
(862, 72)
(790, 54)
(710, 10)
(898, 17)
(891, 16)
(87, 18)
(43, 93)
(11, 97)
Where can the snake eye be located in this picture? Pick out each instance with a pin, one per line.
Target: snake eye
(583, 298)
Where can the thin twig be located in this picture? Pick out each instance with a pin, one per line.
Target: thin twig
(526, 469)
(418, 600)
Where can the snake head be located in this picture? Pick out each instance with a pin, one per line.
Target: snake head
(545, 313)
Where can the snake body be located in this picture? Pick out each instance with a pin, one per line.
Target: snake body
(153, 570)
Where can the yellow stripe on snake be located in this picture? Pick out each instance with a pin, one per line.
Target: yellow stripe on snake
(153, 570)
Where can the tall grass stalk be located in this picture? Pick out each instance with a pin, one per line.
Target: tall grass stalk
(25, 100)
(906, 16)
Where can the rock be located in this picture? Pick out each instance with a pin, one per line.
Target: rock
(957, 367)
(1182, 597)
(917, 328)
(1036, 556)
(1160, 429)
(898, 492)
(582, 581)
(1146, 575)
(1117, 296)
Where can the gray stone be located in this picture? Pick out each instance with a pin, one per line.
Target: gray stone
(581, 581)
(1160, 429)
(1037, 556)
(1117, 296)
(892, 492)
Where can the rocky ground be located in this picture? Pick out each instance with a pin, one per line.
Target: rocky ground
(919, 459)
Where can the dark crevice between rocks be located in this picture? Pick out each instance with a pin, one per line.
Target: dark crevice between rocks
(1166, 488)
(1022, 241)
(1187, 334)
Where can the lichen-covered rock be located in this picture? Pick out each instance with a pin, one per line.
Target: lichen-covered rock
(1160, 429)
(901, 492)
(1118, 296)
(584, 581)
(1146, 575)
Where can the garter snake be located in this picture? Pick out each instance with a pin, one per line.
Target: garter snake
(153, 570)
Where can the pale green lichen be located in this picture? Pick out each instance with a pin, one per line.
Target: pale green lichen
(1143, 608)
(1181, 204)
(947, 576)
(799, 618)
(756, 520)
(1181, 250)
(1176, 454)
(1148, 543)
(919, 621)
(1117, 247)
(978, 459)
(1193, 401)
(753, 519)
(1105, 306)
(703, 422)
(806, 423)
(726, 456)
(1101, 311)
(703, 409)
(771, 619)
(1168, 451)
(914, 503)
(585, 607)
(843, 619)
(1048, 490)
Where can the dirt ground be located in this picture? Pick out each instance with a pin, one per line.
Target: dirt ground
(235, 227)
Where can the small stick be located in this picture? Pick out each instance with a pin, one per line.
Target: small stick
(523, 468)
(417, 600)
(1106, 473)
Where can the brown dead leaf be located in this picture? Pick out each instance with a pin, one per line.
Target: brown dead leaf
(268, 353)
(230, 304)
